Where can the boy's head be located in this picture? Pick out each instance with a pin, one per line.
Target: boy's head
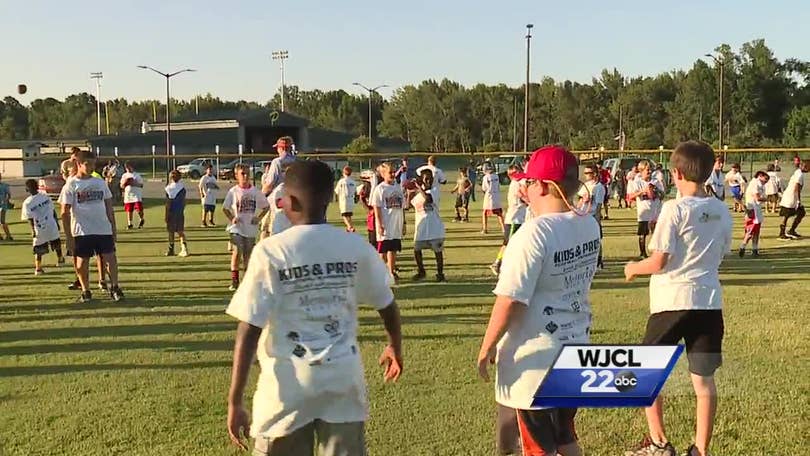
(347, 171)
(387, 172)
(209, 169)
(644, 169)
(281, 146)
(308, 188)
(174, 175)
(426, 177)
(487, 167)
(552, 173)
(31, 186)
(431, 160)
(771, 167)
(590, 172)
(85, 162)
(129, 166)
(805, 166)
(462, 172)
(736, 167)
(762, 176)
(719, 162)
(692, 161)
(514, 171)
(242, 173)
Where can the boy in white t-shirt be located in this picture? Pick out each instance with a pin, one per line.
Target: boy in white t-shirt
(208, 196)
(516, 204)
(429, 229)
(388, 202)
(38, 210)
(772, 189)
(736, 181)
(754, 197)
(244, 207)
(175, 210)
(539, 307)
(297, 311)
(491, 186)
(278, 219)
(645, 191)
(686, 298)
(593, 193)
(791, 202)
(346, 191)
(132, 186)
(716, 183)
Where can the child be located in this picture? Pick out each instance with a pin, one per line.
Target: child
(345, 191)
(620, 187)
(244, 207)
(629, 179)
(38, 210)
(716, 183)
(515, 212)
(297, 310)
(644, 191)
(278, 220)
(735, 182)
(772, 189)
(132, 185)
(89, 224)
(429, 230)
(5, 203)
(388, 202)
(492, 197)
(686, 298)
(462, 190)
(208, 195)
(754, 197)
(175, 213)
(606, 179)
(791, 203)
(537, 309)
(364, 195)
(591, 194)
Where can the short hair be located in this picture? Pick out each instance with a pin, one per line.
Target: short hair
(771, 167)
(643, 164)
(719, 159)
(85, 156)
(74, 150)
(432, 160)
(32, 186)
(241, 167)
(693, 159)
(735, 166)
(513, 169)
(347, 170)
(209, 165)
(570, 184)
(175, 175)
(314, 179)
(129, 164)
(386, 165)
(761, 173)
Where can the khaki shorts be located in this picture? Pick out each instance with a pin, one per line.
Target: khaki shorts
(333, 439)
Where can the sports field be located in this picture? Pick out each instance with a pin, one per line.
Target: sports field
(149, 376)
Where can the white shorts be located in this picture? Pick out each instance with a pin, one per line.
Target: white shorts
(437, 245)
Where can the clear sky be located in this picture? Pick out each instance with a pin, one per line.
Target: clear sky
(53, 45)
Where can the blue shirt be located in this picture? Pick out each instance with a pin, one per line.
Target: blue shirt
(178, 204)
(5, 195)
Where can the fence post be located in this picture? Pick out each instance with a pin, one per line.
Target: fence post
(240, 153)
(154, 171)
(115, 151)
(216, 151)
(174, 157)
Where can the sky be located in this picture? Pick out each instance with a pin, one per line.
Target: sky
(52, 46)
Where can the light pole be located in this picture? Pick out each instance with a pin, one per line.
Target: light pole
(370, 91)
(97, 76)
(526, 96)
(281, 56)
(721, 63)
(168, 76)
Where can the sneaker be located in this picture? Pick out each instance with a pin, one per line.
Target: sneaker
(102, 286)
(9, 238)
(483, 232)
(170, 252)
(75, 285)
(441, 278)
(212, 225)
(742, 252)
(690, 452)
(784, 237)
(39, 272)
(234, 286)
(85, 297)
(183, 253)
(140, 224)
(755, 253)
(116, 294)
(419, 275)
(204, 225)
(794, 235)
(495, 268)
(649, 448)
(129, 227)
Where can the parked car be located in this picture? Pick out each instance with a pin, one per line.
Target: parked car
(51, 185)
(196, 168)
(256, 169)
(501, 165)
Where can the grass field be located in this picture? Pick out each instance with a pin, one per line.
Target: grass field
(149, 376)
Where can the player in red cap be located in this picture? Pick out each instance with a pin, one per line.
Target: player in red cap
(542, 302)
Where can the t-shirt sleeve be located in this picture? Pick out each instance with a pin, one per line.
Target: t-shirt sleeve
(254, 300)
(373, 280)
(667, 230)
(107, 192)
(377, 198)
(228, 202)
(261, 201)
(24, 214)
(274, 173)
(67, 196)
(522, 265)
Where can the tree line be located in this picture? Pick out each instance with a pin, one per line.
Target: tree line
(766, 103)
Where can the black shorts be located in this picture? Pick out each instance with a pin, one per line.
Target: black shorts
(372, 239)
(92, 245)
(462, 200)
(176, 223)
(790, 212)
(209, 208)
(539, 432)
(701, 330)
(42, 249)
(390, 245)
(643, 228)
(346, 214)
(508, 231)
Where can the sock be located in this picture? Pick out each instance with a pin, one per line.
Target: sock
(642, 248)
(782, 230)
(235, 276)
(755, 246)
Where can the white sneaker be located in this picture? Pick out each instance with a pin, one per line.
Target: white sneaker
(183, 253)
(39, 272)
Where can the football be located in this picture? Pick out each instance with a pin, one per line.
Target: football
(410, 184)
(128, 182)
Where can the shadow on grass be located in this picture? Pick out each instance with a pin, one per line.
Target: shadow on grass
(25, 371)
(106, 315)
(113, 331)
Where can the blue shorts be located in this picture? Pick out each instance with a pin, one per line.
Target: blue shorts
(209, 208)
(736, 192)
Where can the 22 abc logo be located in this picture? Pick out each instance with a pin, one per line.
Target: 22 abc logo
(622, 382)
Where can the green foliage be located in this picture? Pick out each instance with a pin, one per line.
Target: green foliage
(359, 145)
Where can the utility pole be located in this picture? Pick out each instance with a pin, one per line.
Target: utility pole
(281, 56)
(370, 119)
(721, 63)
(514, 125)
(526, 96)
(98, 76)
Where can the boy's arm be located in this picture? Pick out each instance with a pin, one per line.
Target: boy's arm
(33, 230)
(378, 217)
(247, 340)
(504, 311)
(652, 265)
(392, 354)
(166, 211)
(108, 205)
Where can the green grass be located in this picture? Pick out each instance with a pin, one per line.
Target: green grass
(149, 376)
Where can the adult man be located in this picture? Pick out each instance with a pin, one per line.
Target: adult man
(438, 174)
(791, 204)
(68, 166)
(273, 176)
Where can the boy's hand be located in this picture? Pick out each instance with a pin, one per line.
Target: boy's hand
(484, 358)
(238, 426)
(628, 271)
(235, 221)
(392, 362)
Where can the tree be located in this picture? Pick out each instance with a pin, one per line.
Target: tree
(359, 145)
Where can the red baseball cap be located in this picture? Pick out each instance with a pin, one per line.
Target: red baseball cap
(549, 163)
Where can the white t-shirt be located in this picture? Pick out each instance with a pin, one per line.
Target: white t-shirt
(491, 186)
(516, 208)
(438, 174)
(645, 208)
(754, 190)
(88, 211)
(245, 204)
(429, 225)
(774, 184)
(548, 266)
(279, 221)
(734, 178)
(132, 194)
(39, 208)
(345, 189)
(303, 288)
(696, 233)
(717, 182)
(208, 187)
(390, 199)
(790, 197)
(597, 195)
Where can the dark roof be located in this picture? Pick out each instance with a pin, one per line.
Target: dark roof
(251, 117)
(225, 137)
(331, 140)
(20, 144)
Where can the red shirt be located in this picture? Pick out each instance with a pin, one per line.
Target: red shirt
(604, 176)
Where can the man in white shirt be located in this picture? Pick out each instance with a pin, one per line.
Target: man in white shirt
(516, 212)
(346, 192)
(491, 186)
(736, 181)
(89, 224)
(297, 310)
(429, 229)
(38, 210)
(791, 203)
(438, 174)
(388, 202)
(541, 303)
(645, 191)
(208, 196)
(132, 186)
(754, 197)
(244, 207)
(591, 196)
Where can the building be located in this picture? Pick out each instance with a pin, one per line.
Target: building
(20, 159)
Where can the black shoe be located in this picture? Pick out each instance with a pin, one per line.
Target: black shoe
(784, 237)
(140, 225)
(441, 278)
(742, 252)
(116, 294)
(419, 275)
(755, 253)
(75, 286)
(85, 297)
(170, 252)
(794, 235)
(102, 286)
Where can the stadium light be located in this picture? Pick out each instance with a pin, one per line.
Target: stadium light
(370, 131)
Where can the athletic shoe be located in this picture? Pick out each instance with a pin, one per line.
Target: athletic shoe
(495, 268)
(212, 225)
(9, 238)
(102, 286)
(689, 451)
(784, 238)
(39, 272)
(140, 225)
(75, 285)
(116, 294)
(755, 253)
(483, 232)
(419, 275)
(183, 253)
(441, 278)
(794, 235)
(234, 286)
(742, 252)
(85, 297)
(170, 252)
(129, 227)
(606, 218)
(60, 262)
(204, 225)
(649, 448)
